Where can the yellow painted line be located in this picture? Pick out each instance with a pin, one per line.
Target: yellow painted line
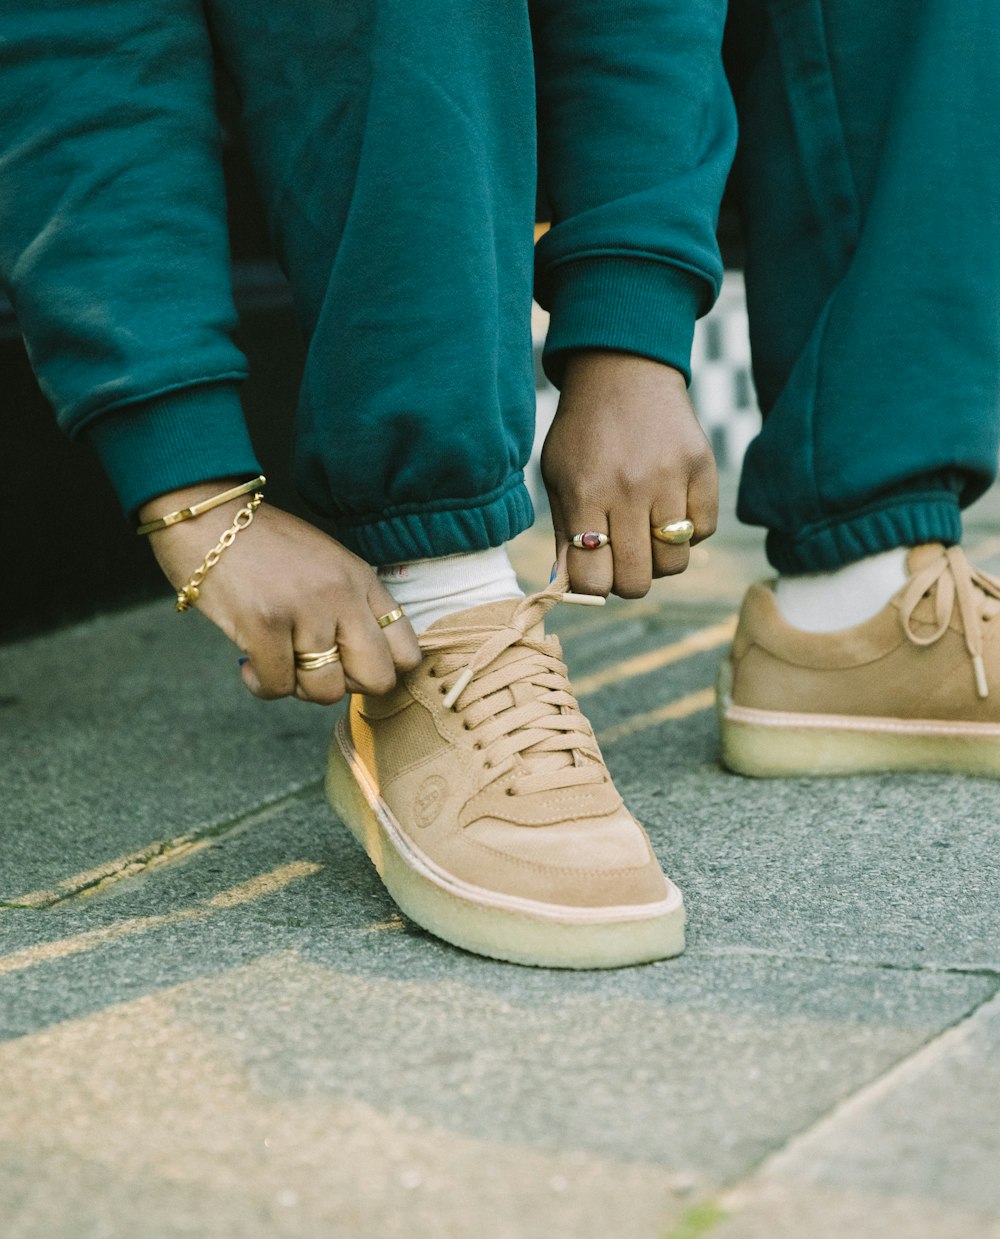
(394, 922)
(684, 707)
(984, 550)
(92, 880)
(608, 619)
(697, 643)
(63, 947)
(264, 884)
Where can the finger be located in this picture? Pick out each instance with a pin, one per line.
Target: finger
(558, 527)
(669, 558)
(631, 554)
(404, 648)
(322, 685)
(590, 571)
(703, 502)
(364, 650)
(269, 672)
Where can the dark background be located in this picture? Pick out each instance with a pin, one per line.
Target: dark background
(67, 551)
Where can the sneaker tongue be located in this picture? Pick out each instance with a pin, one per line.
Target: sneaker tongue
(921, 556)
(487, 615)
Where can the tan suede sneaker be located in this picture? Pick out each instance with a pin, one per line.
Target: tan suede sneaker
(478, 791)
(910, 689)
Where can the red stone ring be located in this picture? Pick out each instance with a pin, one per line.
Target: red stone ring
(591, 541)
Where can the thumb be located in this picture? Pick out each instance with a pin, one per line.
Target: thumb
(249, 676)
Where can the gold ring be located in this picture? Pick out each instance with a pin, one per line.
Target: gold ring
(307, 661)
(675, 533)
(390, 617)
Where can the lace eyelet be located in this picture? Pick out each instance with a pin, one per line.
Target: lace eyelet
(511, 792)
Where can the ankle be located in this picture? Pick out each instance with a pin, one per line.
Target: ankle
(430, 589)
(830, 601)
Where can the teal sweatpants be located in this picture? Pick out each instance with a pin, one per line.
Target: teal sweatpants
(395, 153)
(394, 143)
(868, 178)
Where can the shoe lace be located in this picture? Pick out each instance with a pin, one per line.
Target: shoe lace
(513, 692)
(957, 581)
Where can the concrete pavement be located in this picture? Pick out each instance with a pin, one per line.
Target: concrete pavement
(213, 1023)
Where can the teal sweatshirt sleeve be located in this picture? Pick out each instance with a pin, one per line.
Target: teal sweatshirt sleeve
(636, 136)
(113, 242)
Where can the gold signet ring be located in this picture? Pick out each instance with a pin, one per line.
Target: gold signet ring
(674, 532)
(390, 617)
(308, 661)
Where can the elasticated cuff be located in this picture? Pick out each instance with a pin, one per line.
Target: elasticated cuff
(195, 434)
(442, 528)
(910, 521)
(628, 304)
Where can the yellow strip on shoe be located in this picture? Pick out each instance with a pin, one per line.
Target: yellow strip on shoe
(501, 926)
(787, 744)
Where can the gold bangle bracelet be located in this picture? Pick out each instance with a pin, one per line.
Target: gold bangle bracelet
(206, 505)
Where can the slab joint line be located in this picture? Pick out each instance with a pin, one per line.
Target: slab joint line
(162, 852)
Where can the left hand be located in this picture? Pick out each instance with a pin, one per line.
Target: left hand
(625, 452)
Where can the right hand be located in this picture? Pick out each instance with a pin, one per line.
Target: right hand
(284, 586)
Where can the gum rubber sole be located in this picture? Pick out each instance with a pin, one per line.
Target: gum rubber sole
(770, 744)
(520, 931)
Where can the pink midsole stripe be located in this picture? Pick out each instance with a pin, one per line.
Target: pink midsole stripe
(846, 722)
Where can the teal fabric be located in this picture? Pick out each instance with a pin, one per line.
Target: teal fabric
(395, 148)
(867, 179)
(113, 245)
(636, 138)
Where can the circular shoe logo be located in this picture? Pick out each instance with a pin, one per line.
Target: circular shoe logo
(430, 798)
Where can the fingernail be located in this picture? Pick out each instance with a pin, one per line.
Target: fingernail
(555, 569)
(243, 661)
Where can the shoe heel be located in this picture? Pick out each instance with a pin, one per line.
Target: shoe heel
(807, 745)
(763, 752)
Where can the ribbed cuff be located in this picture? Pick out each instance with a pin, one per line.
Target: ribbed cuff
(911, 520)
(195, 434)
(425, 532)
(632, 305)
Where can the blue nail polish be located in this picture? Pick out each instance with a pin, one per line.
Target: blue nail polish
(243, 661)
(555, 569)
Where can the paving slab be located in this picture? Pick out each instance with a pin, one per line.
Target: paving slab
(129, 730)
(215, 1023)
(642, 1091)
(429, 1099)
(916, 1153)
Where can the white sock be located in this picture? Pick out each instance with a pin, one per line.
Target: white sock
(429, 589)
(828, 601)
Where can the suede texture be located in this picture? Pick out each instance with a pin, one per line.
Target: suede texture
(871, 670)
(570, 846)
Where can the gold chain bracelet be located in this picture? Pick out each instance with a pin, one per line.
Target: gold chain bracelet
(188, 596)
